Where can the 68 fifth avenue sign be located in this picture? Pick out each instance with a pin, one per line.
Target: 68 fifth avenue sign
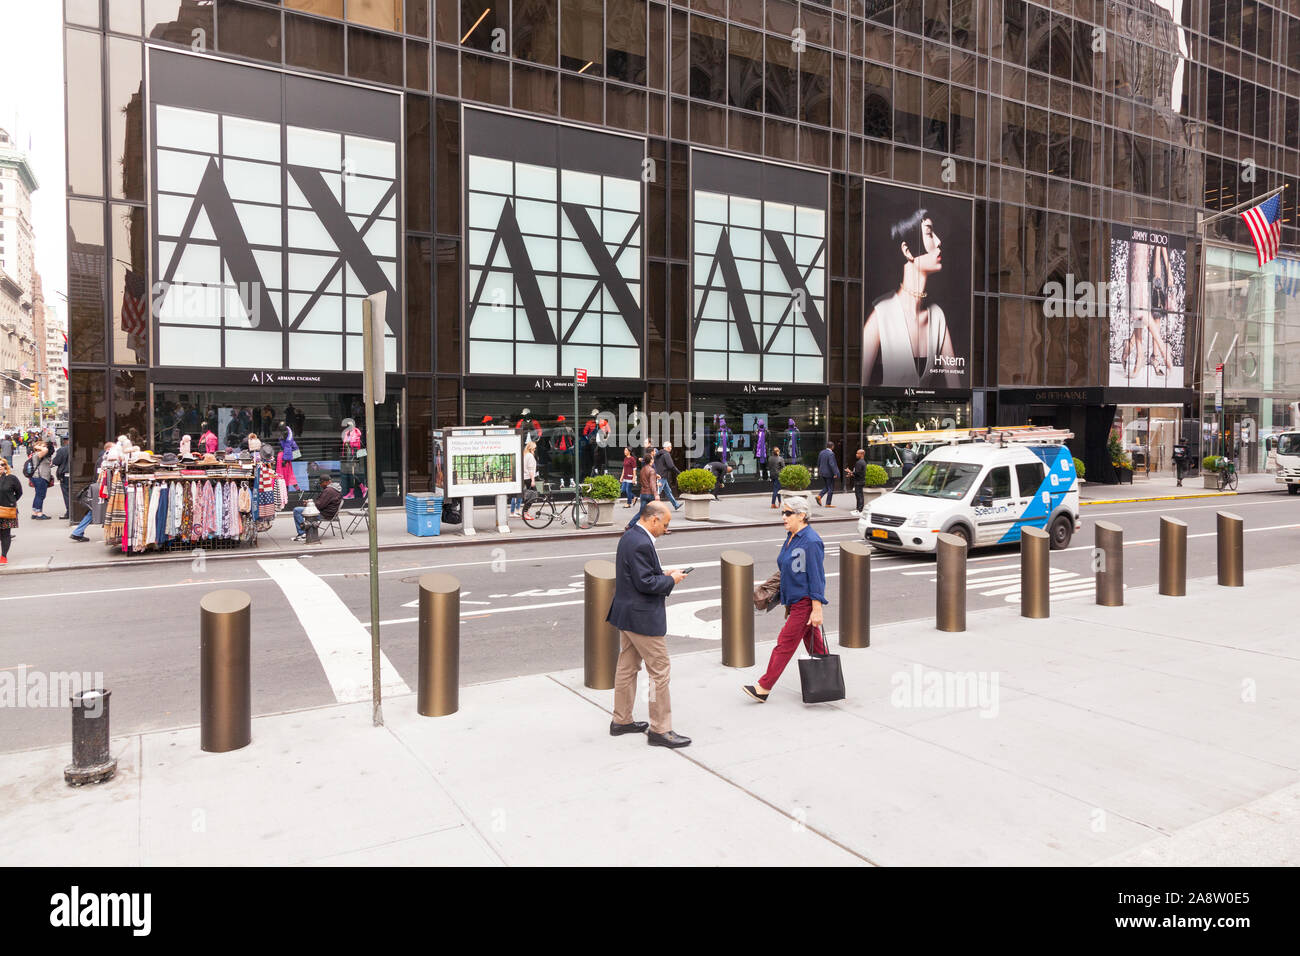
(276, 210)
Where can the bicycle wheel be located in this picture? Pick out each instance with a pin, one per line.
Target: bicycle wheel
(1230, 481)
(584, 512)
(538, 513)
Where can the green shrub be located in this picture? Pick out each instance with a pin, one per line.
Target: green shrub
(795, 478)
(1211, 462)
(1078, 466)
(696, 481)
(605, 488)
(1118, 456)
(875, 477)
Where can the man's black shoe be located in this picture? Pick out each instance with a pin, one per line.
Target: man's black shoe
(670, 739)
(78, 537)
(636, 727)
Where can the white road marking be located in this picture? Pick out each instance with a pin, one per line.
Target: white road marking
(683, 621)
(340, 641)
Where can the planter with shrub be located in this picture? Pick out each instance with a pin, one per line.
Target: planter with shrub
(1210, 465)
(696, 485)
(1120, 460)
(874, 481)
(1078, 468)
(795, 480)
(605, 489)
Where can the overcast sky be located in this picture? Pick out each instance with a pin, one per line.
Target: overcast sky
(31, 107)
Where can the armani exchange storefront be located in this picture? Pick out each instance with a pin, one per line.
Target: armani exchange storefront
(276, 208)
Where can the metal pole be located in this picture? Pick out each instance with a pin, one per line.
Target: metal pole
(225, 683)
(1108, 562)
(1035, 573)
(1230, 530)
(1173, 557)
(950, 589)
(92, 761)
(577, 436)
(855, 594)
(600, 639)
(367, 329)
(737, 609)
(439, 653)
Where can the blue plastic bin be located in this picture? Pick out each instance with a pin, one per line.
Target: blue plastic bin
(423, 515)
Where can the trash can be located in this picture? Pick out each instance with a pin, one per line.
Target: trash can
(423, 515)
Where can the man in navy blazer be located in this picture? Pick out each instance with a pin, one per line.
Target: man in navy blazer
(641, 584)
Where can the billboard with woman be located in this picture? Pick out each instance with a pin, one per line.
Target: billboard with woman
(918, 284)
(1148, 292)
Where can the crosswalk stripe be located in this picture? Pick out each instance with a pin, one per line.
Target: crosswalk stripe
(338, 638)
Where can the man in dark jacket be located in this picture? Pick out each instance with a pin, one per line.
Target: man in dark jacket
(829, 469)
(640, 587)
(667, 471)
(327, 503)
(860, 479)
(60, 463)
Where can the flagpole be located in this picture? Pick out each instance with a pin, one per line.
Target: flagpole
(1202, 222)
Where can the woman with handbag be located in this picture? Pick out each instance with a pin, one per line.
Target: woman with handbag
(42, 478)
(11, 489)
(802, 593)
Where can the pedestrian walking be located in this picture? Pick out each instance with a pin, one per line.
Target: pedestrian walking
(720, 469)
(774, 465)
(629, 483)
(41, 478)
(62, 468)
(7, 448)
(11, 489)
(640, 589)
(829, 470)
(667, 471)
(529, 478)
(91, 495)
(802, 563)
(648, 482)
(860, 480)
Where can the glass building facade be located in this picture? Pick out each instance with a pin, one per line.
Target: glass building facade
(824, 218)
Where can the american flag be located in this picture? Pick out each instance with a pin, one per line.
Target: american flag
(1265, 224)
(135, 305)
(65, 354)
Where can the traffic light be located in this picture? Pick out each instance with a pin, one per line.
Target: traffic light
(36, 392)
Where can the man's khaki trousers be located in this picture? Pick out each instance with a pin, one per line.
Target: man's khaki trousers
(654, 651)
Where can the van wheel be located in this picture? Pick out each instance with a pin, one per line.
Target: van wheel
(1293, 489)
(960, 531)
(1061, 531)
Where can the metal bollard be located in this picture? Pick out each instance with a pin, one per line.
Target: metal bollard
(1108, 560)
(1173, 557)
(1035, 573)
(439, 658)
(91, 760)
(855, 594)
(950, 589)
(225, 682)
(737, 609)
(1231, 537)
(600, 640)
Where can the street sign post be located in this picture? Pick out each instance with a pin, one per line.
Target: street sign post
(579, 378)
(1218, 387)
(372, 329)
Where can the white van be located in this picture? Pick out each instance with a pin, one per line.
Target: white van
(982, 492)
(1284, 451)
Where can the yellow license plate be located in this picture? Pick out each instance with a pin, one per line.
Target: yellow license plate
(879, 533)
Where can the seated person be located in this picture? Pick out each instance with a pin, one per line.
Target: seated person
(327, 503)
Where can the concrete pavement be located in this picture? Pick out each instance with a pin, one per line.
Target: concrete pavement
(46, 546)
(1160, 732)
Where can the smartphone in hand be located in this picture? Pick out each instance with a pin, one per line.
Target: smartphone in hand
(687, 570)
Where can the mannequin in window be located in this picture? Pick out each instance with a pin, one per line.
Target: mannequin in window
(587, 444)
(792, 441)
(562, 443)
(760, 448)
(350, 460)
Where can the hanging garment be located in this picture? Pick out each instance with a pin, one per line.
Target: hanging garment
(265, 493)
(281, 494)
(284, 468)
(115, 513)
(245, 499)
(160, 518)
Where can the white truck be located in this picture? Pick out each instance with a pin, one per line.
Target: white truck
(1285, 449)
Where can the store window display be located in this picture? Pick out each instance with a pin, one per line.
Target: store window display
(747, 430)
(311, 433)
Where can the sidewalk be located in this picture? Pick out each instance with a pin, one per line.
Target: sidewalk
(1156, 733)
(46, 545)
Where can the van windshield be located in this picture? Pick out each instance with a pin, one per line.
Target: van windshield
(1289, 444)
(939, 479)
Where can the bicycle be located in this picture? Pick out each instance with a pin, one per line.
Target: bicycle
(1227, 475)
(542, 510)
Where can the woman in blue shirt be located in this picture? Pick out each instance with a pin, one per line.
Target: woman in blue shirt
(802, 563)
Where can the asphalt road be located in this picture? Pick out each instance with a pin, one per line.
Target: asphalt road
(521, 609)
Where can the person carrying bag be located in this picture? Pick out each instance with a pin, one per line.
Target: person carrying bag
(801, 589)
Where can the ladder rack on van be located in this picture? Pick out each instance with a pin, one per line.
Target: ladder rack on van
(1029, 434)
